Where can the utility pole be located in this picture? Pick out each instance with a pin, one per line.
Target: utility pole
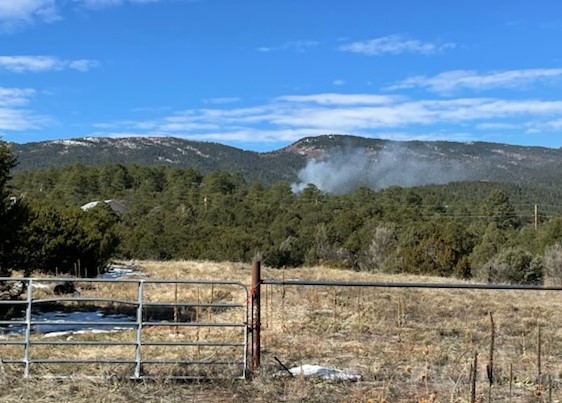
(536, 217)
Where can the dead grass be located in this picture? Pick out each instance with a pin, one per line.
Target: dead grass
(409, 345)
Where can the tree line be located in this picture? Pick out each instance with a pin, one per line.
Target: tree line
(480, 230)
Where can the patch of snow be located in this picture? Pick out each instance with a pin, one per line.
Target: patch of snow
(118, 271)
(94, 139)
(195, 150)
(153, 140)
(86, 331)
(35, 285)
(126, 143)
(167, 160)
(59, 322)
(72, 143)
(317, 371)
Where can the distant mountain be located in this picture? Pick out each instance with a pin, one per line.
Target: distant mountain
(414, 163)
(347, 159)
(170, 151)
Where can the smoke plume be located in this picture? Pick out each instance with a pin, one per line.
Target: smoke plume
(343, 172)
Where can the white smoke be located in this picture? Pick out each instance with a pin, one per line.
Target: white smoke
(343, 172)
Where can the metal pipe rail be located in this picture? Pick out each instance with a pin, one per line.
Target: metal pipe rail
(139, 319)
(456, 286)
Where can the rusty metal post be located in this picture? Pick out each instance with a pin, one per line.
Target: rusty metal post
(255, 291)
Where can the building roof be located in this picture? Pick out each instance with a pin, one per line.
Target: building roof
(115, 206)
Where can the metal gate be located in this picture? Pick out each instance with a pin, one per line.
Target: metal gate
(178, 329)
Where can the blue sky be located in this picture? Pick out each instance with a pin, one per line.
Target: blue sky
(261, 74)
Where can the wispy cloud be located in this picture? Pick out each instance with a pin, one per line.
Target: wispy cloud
(82, 64)
(340, 99)
(290, 117)
(221, 100)
(554, 125)
(17, 13)
(13, 114)
(15, 97)
(427, 136)
(240, 135)
(339, 83)
(296, 46)
(450, 81)
(21, 64)
(497, 126)
(110, 3)
(394, 45)
(20, 119)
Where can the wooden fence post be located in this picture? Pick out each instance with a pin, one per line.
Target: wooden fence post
(255, 294)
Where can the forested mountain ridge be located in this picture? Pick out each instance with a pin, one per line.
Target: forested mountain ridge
(167, 151)
(490, 231)
(462, 161)
(525, 165)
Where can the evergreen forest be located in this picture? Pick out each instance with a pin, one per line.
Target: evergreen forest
(491, 232)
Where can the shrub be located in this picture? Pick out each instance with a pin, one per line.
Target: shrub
(69, 241)
(553, 264)
(512, 266)
(384, 242)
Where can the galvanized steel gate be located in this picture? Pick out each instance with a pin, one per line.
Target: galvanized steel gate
(178, 329)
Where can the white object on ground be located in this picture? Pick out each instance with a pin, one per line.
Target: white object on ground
(317, 371)
(40, 285)
(118, 271)
(85, 331)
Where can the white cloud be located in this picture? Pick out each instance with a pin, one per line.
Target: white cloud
(340, 99)
(338, 83)
(251, 134)
(82, 64)
(19, 119)
(110, 3)
(99, 3)
(544, 126)
(13, 117)
(15, 97)
(497, 126)
(15, 13)
(179, 126)
(429, 136)
(293, 116)
(222, 100)
(21, 64)
(235, 135)
(297, 46)
(450, 81)
(394, 45)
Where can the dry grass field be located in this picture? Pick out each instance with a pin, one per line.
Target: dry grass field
(409, 345)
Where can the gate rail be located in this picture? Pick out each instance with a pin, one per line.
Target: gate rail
(258, 281)
(140, 308)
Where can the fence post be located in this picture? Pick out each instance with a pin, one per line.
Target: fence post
(138, 342)
(255, 292)
(27, 347)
